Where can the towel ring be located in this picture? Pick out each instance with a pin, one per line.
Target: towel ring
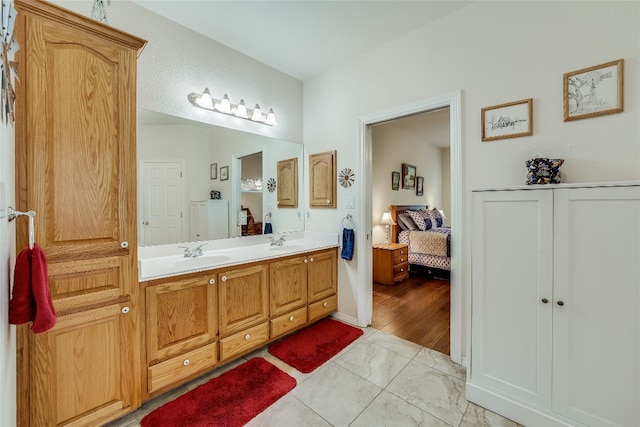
(267, 217)
(13, 214)
(350, 222)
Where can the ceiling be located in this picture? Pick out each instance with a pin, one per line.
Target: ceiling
(302, 38)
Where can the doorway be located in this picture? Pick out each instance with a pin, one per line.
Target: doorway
(251, 194)
(364, 291)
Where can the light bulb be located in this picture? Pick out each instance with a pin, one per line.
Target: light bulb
(206, 100)
(257, 114)
(271, 117)
(241, 111)
(225, 104)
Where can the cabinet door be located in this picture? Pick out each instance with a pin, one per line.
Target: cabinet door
(322, 274)
(197, 221)
(512, 277)
(243, 298)
(83, 368)
(322, 180)
(181, 315)
(288, 183)
(596, 332)
(288, 282)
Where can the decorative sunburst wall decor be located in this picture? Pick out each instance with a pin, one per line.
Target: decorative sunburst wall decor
(346, 177)
(271, 185)
(9, 67)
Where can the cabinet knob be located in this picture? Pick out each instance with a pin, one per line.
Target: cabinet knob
(124, 245)
(324, 304)
(186, 362)
(560, 303)
(145, 222)
(125, 310)
(311, 259)
(306, 260)
(246, 337)
(212, 281)
(544, 300)
(328, 201)
(223, 278)
(401, 270)
(291, 318)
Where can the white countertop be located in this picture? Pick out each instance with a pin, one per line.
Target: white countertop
(155, 262)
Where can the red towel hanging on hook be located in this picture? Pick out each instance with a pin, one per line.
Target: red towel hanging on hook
(31, 298)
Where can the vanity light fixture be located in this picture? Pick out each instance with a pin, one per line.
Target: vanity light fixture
(224, 106)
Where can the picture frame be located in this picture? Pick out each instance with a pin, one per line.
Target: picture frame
(395, 180)
(224, 173)
(419, 186)
(408, 176)
(214, 171)
(593, 91)
(510, 120)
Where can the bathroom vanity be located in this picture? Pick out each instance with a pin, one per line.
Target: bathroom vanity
(202, 312)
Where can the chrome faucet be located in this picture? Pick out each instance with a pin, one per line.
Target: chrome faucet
(278, 242)
(192, 253)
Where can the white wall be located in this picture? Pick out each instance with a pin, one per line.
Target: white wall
(493, 52)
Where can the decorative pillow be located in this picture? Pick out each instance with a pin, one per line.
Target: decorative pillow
(436, 218)
(406, 223)
(419, 219)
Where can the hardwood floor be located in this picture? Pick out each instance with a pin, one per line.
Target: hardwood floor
(416, 309)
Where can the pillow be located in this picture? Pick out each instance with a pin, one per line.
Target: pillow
(436, 218)
(406, 223)
(419, 219)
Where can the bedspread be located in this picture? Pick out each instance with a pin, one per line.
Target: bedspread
(428, 243)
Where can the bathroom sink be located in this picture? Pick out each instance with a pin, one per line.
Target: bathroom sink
(285, 248)
(203, 260)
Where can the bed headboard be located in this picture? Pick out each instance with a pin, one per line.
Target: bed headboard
(397, 210)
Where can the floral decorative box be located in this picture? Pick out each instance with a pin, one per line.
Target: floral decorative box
(544, 171)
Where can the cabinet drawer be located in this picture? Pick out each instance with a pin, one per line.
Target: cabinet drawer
(400, 270)
(288, 322)
(400, 256)
(180, 367)
(323, 307)
(244, 341)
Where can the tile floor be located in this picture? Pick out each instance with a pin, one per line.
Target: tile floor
(378, 380)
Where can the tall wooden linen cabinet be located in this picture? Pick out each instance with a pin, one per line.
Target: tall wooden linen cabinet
(75, 166)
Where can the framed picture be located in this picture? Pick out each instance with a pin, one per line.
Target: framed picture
(509, 120)
(214, 171)
(395, 180)
(593, 91)
(408, 176)
(224, 173)
(419, 186)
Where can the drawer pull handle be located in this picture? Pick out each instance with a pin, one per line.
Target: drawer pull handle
(124, 245)
(544, 300)
(246, 337)
(212, 281)
(401, 270)
(291, 318)
(223, 278)
(324, 304)
(125, 310)
(186, 362)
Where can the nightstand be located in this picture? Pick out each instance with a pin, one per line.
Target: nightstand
(390, 263)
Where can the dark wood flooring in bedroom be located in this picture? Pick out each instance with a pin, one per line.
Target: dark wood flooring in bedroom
(416, 310)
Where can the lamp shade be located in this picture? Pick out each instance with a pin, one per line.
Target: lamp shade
(386, 219)
(442, 213)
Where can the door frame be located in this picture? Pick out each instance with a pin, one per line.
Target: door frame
(364, 293)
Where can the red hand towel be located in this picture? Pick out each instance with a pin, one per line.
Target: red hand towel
(31, 299)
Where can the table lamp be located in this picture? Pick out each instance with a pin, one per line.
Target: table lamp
(387, 221)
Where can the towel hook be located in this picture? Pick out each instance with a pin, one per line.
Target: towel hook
(350, 222)
(13, 214)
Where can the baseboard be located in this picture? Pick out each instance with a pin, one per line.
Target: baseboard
(347, 319)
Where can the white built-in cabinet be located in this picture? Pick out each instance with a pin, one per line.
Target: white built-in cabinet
(556, 304)
(208, 219)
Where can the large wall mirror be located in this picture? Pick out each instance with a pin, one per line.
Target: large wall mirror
(183, 164)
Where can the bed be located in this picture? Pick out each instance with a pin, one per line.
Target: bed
(428, 239)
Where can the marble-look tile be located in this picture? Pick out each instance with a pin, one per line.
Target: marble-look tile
(288, 411)
(389, 410)
(336, 394)
(372, 362)
(441, 362)
(437, 393)
(133, 419)
(404, 347)
(478, 416)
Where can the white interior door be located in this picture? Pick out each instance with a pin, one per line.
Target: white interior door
(162, 203)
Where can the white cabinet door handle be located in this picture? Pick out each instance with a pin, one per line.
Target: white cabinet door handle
(291, 318)
(124, 245)
(223, 278)
(325, 304)
(212, 281)
(125, 310)
(246, 337)
(186, 362)
(306, 260)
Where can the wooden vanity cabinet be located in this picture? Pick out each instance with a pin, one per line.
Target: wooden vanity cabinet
(288, 295)
(181, 329)
(322, 180)
(287, 183)
(76, 168)
(322, 283)
(243, 298)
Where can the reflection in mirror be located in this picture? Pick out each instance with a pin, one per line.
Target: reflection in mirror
(183, 163)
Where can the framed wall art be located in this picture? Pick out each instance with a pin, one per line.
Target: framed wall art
(214, 171)
(395, 180)
(408, 176)
(420, 186)
(509, 120)
(593, 91)
(224, 173)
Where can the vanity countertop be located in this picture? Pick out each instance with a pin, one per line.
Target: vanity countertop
(155, 262)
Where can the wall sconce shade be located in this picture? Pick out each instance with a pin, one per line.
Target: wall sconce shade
(224, 106)
(387, 221)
